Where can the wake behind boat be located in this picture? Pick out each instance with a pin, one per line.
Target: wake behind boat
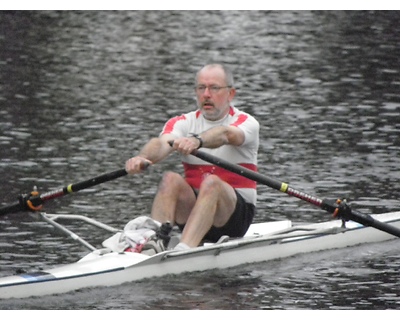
(263, 242)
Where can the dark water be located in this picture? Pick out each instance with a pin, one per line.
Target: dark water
(80, 92)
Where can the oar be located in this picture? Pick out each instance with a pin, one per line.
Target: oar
(34, 200)
(339, 208)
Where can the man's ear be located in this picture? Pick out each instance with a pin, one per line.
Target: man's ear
(232, 93)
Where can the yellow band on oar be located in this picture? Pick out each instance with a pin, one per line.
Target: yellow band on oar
(284, 187)
(69, 188)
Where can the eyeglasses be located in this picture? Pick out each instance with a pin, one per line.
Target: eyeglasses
(213, 89)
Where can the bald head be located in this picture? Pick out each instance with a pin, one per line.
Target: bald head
(227, 74)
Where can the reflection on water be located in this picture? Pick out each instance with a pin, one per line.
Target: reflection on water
(80, 92)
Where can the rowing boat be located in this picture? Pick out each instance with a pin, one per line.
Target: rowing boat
(263, 242)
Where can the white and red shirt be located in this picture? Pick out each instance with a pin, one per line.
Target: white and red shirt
(244, 155)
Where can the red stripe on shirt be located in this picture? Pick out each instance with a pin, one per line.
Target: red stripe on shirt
(169, 126)
(195, 174)
(242, 118)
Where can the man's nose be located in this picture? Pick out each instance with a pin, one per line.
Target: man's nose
(207, 92)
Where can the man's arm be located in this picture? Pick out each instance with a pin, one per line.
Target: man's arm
(221, 135)
(152, 152)
(212, 138)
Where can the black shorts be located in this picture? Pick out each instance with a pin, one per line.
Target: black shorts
(237, 224)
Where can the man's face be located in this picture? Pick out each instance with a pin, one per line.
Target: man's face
(213, 94)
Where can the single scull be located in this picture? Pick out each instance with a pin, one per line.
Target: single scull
(263, 242)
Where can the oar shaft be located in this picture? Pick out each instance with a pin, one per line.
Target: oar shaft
(340, 209)
(255, 176)
(83, 184)
(15, 207)
(367, 220)
(37, 200)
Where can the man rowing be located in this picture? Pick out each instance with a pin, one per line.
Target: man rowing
(208, 202)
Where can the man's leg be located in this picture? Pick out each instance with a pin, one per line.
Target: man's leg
(215, 204)
(174, 199)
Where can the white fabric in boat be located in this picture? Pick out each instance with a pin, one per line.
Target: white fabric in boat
(135, 234)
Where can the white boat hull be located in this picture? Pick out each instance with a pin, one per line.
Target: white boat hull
(110, 269)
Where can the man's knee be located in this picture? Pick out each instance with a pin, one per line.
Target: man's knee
(170, 181)
(171, 176)
(212, 184)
